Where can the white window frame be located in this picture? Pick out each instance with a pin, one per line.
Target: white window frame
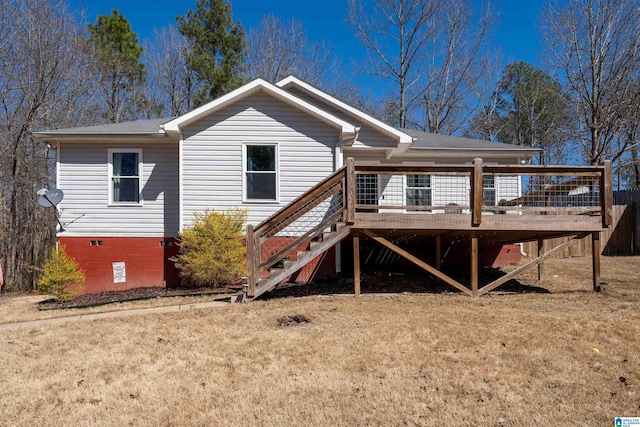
(378, 194)
(110, 153)
(245, 199)
(495, 190)
(405, 187)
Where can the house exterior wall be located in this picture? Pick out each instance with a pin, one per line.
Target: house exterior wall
(97, 234)
(85, 210)
(212, 155)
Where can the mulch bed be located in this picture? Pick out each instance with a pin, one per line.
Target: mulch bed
(371, 283)
(136, 294)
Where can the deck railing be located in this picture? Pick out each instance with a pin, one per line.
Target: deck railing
(479, 190)
(372, 196)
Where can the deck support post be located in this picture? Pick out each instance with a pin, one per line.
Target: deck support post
(595, 260)
(474, 265)
(352, 190)
(540, 253)
(356, 262)
(438, 263)
(606, 198)
(252, 274)
(440, 275)
(477, 183)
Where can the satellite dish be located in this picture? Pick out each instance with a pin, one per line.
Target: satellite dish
(49, 198)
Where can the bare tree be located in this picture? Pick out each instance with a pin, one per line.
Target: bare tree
(486, 124)
(276, 50)
(43, 85)
(172, 84)
(595, 44)
(453, 65)
(395, 33)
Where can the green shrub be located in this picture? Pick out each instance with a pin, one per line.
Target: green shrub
(61, 276)
(212, 251)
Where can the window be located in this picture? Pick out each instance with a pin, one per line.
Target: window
(418, 190)
(367, 184)
(125, 176)
(261, 175)
(489, 190)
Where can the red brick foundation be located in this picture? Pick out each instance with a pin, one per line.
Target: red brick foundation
(145, 258)
(147, 262)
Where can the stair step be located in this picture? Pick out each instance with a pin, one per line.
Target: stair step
(275, 271)
(328, 235)
(304, 257)
(314, 245)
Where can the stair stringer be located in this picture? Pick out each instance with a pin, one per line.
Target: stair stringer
(278, 275)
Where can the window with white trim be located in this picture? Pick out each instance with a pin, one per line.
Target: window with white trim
(489, 190)
(125, 176)
(261, 172)
(418, 190)
(367, 191)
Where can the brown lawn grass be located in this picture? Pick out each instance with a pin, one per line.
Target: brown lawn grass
(24, 308)
(569, 357)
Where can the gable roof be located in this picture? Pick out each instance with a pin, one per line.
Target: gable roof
(436, 141)
(347, 130)
(404, 140)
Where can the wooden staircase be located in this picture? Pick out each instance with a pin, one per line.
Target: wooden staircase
(289, 267)
(316, 220)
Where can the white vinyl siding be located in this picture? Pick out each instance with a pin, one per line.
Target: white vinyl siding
(85, 210)
(213, 150)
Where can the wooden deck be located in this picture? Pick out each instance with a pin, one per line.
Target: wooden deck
(374, 200)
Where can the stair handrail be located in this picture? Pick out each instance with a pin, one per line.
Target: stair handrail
(257, 235)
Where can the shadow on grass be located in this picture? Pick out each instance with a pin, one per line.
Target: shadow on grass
(411, 281)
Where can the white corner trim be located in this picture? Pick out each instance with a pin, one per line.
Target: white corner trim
(180, 184)
(347, 130)
(400, 136)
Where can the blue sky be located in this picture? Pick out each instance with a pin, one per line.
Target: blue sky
(516, 35)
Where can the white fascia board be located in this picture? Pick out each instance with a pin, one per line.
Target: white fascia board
(104, 137)
(347, 130)
(456, 153)
(403, 139)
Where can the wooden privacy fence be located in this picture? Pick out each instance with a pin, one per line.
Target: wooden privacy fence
(619, 239)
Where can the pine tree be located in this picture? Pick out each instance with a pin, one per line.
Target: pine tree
(121, 72)
(61, 276)
(216, 47)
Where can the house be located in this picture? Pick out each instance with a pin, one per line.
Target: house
(131, 187)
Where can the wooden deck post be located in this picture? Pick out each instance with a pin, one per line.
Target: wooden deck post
(352, 190)
(606, 195)
(476, 193)
(595, 260)
(540, 253)
(438, 252)
(356, 262)
(474, 265)
(252, 275)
